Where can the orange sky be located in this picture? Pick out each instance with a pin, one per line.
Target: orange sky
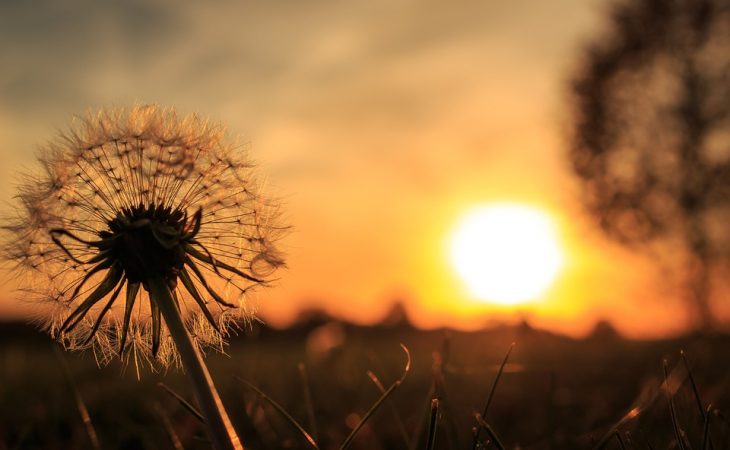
(378, 122)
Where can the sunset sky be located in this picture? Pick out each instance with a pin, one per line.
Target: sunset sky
(380, 124)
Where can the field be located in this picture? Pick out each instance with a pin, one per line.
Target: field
(554, 392)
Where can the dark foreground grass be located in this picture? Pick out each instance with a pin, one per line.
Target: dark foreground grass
(553, 392)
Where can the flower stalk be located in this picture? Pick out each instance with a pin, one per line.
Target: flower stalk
(220, 429)
(142, 197)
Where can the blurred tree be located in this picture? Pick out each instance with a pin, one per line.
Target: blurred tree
(651, 135)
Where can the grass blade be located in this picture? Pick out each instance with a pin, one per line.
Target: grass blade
(491, 394)
(672, 411)
(695, 391)
(436, 390)
(644, 401)
(396, 415)
(282, 411)
(706, 441)
(433, 424)
(80, 404)
(174, 438)
(184, 403)
(704, 413)
(490, 431)
(308, 401)
(380, 400)
(633, 412)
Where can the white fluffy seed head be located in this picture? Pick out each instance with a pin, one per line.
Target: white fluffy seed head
(123, 158)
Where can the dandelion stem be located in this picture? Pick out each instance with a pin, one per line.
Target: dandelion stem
(220, 428)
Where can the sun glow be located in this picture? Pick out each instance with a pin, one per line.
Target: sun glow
(506, 253)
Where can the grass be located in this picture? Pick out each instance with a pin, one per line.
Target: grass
(549, 392)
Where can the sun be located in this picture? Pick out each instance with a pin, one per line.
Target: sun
(506, 253)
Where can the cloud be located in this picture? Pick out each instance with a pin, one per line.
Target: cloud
(374, 114)
(56, 51)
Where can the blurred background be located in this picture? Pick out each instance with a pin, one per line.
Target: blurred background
(578, 149)
(380, 125)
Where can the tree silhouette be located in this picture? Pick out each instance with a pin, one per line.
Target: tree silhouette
(651, 135)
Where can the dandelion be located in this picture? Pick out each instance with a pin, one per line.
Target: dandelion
(145, 229)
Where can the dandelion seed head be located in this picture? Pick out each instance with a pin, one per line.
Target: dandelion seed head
(126, 195)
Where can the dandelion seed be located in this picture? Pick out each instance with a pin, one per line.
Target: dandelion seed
(127, 196)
